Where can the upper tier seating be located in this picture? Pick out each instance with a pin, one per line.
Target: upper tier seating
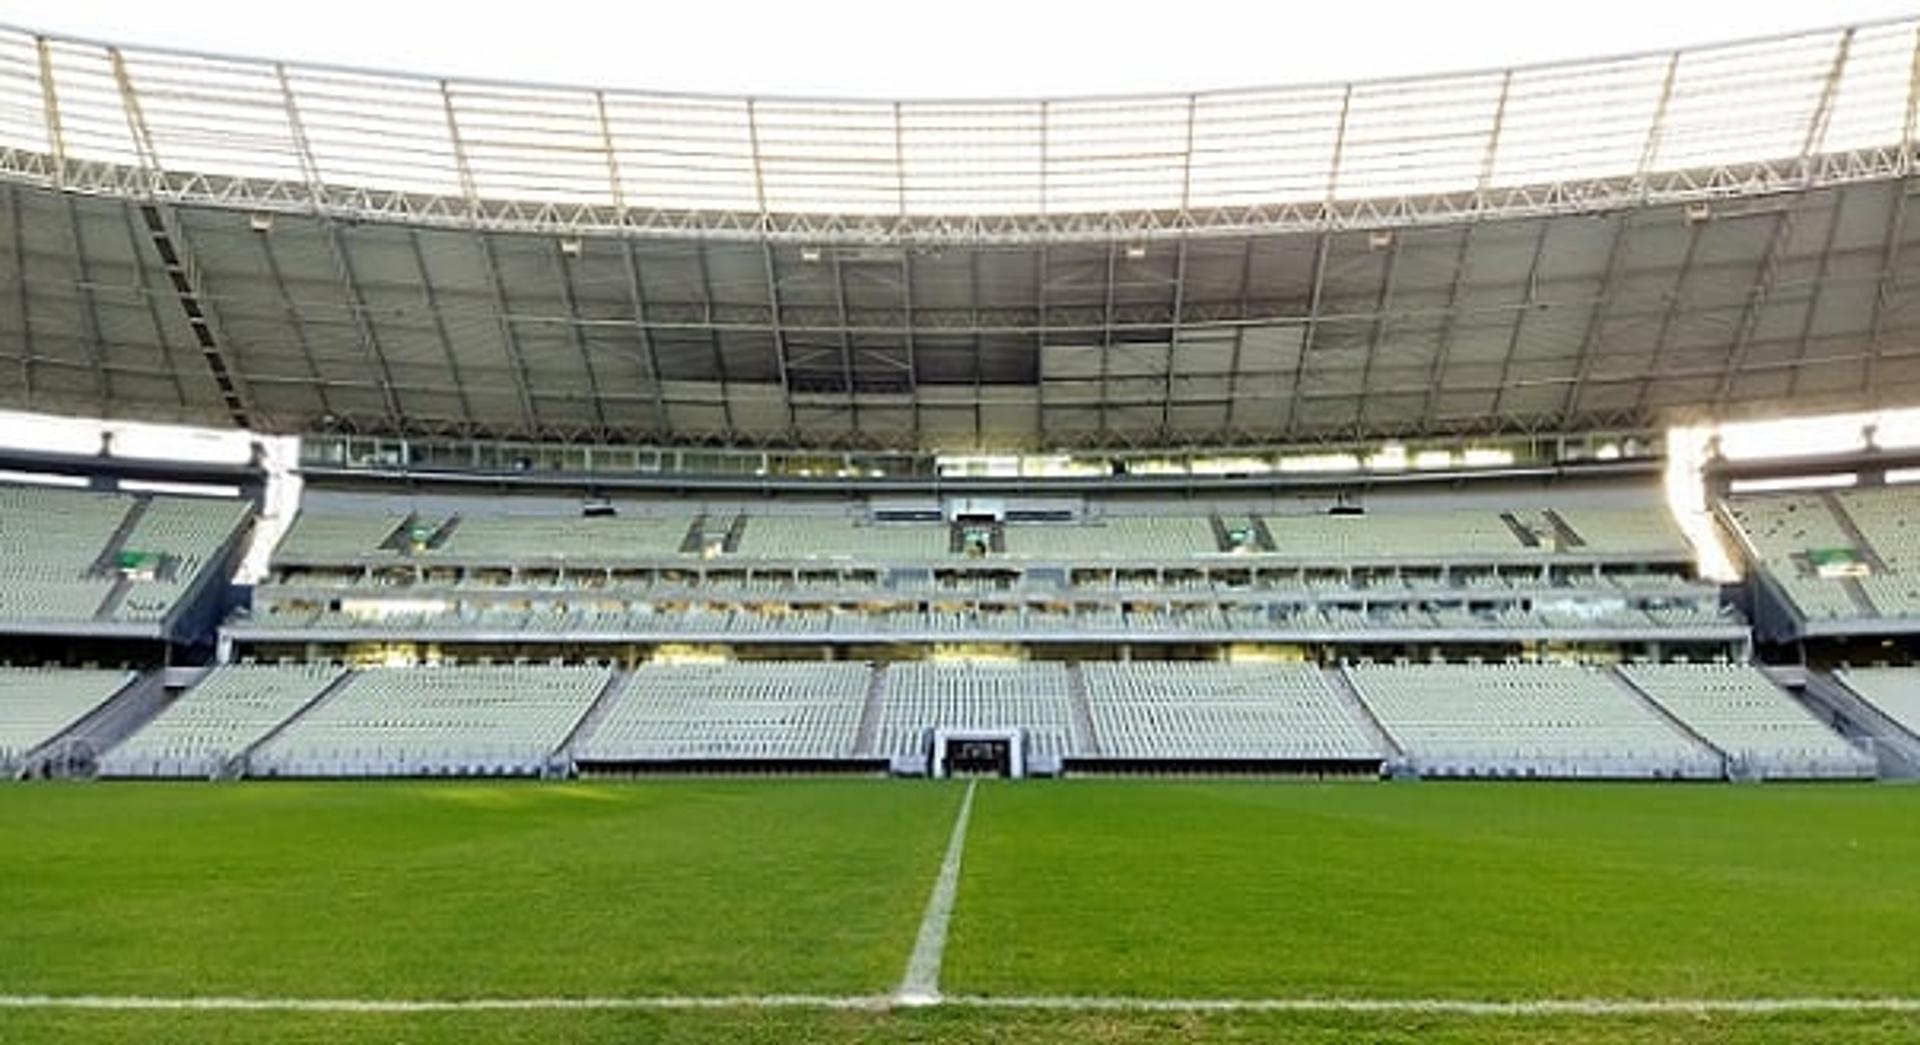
(923, 695)
(1200, 710)
(337, 535)
(1649, 531)
(597, 616)
(38, 704)
(536, 538)
(1895, 691)
(1115, 537)
(828, 537)
(1889, 519)
(1544, 719)
(466, 720)
(1410, 535)
(1782, 529)
(738, 711)
(49, 539)
(230, 710)
(1737, 709)
(188, 530)
(54, 545)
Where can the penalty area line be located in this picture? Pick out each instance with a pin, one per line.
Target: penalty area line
(1591, 1007)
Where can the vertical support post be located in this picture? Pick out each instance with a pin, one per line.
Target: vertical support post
(50, 111)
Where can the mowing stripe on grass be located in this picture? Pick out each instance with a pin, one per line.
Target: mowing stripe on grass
(1600, 1007)
(921, 984)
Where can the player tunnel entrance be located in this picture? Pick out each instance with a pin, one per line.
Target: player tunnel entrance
(979, 752)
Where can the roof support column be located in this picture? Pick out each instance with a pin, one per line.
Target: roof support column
(1526, 305)
(509, 337)
(906, 274)
(617, 191)
(1665, 334)
(1819, 285)
(846, 341)
(1782, 234)
(89, 309)
(338, 254)
(50, 112)
(1179, 270)
(1896, 226)
(432, 300)
(28, 350)
(578, 335)
(713, 341)
(1239, 337)
(1106, 340)
(1596, 316)
(1883, 288)
(774, 318)
(1322, 248)
(1443, 348)
(636, 298)
(1381, 305)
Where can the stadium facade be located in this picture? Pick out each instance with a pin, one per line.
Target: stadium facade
(1323, 429)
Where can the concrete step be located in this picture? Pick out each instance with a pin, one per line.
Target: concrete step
(595, 714)
(1082, 711)
(1343, 685)
(870, 713)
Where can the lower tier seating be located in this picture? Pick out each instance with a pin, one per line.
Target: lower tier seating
(38, 704)
(1895, 691)
(1173, 710)
(1442, 719)
(924, 696)
(1525, 720)
(734, 711)
(229, 711)
(1737, 709)
(477, 720)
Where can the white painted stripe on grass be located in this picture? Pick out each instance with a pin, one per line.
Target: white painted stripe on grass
(1591, 1007)
(1445, 1006)
(141, 1003)
(921, 983)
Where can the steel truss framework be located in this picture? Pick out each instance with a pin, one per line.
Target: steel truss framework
(1434, 281)
(1582, 196)
(1571, 324)
(1815, 109)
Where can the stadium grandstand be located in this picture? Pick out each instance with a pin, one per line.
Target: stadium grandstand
(1429, 558)
(570, 447)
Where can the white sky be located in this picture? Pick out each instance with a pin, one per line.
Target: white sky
(932, 48)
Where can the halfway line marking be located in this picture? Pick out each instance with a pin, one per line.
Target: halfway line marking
(921, 983)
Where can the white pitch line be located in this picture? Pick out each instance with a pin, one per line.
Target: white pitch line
(1444, 1006)
(921, 983)
(408, 1005)
(1601, 1007)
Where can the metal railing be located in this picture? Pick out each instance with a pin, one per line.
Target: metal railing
(1790, 112)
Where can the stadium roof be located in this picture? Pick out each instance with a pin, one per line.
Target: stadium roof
(1556, 247)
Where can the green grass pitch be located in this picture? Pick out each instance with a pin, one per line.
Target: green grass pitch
(1152, 889)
